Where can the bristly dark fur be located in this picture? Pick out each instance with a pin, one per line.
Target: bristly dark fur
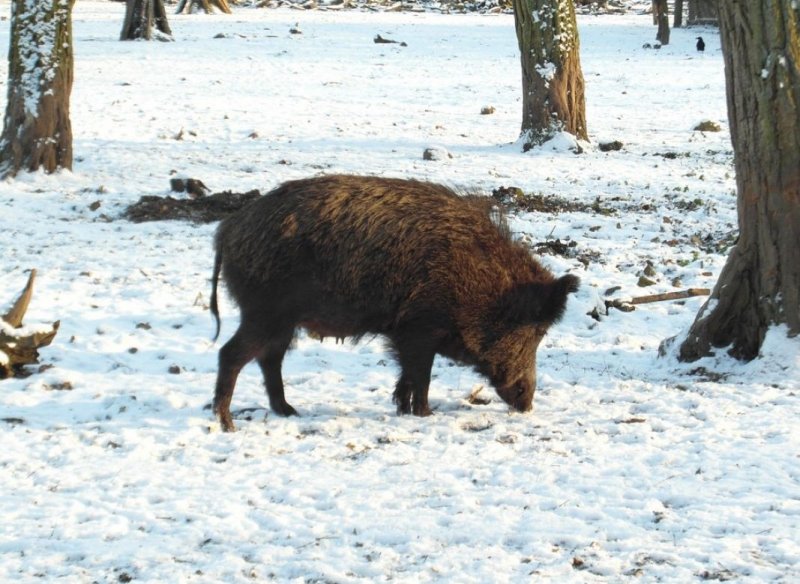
(343, 256)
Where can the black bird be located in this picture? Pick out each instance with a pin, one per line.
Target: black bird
(701, 45)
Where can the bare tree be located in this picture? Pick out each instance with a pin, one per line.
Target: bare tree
(760, 284)
(661, 17)
(37, 132)
(553, 97)
(142, 17)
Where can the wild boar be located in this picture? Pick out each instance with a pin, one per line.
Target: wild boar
(433, 272)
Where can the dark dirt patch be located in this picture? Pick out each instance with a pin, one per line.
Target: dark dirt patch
(673, 155)
(567, 249)
(706, 375)
(610, 146)
(200, 210)
(555, 247)
(718, 243)
(516, 199)
(722, 575)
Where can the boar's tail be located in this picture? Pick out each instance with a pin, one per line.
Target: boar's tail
(556, 302)
(214, 281)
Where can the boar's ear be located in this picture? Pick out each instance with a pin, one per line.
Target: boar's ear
(546, 302)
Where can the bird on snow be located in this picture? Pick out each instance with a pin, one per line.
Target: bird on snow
(701, 45)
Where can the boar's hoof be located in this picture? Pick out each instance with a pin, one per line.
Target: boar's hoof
(285, 410)
(227, 423)
(422, 410)
(403, 404)
(225, 419)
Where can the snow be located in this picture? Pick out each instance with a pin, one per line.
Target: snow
(546, 71)
(630, 467)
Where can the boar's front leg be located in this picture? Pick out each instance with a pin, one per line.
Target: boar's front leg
(416, 361)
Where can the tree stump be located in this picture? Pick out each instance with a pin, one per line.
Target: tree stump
(19, 346)
(141, 17)
(206, 6)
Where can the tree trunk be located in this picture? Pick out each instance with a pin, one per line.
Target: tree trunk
(662, 19)
(760, 283)
(677, 21)
(206, 6)
(37, 132)
(704, 11)
(141, 16)
(553, 98)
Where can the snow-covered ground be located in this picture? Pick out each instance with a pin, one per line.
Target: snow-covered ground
(631, 467)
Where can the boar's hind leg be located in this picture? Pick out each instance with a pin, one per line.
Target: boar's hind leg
(235, 354)
(415, 376)
(270, 363)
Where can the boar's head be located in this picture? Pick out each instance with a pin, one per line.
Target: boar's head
(521, 321)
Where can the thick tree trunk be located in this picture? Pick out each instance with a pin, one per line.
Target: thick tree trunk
(677, 21)
(206, 6)
(760, 284)
(37, 132)
(142, 17)
(553, 96)
(704, 11)
(661, 13)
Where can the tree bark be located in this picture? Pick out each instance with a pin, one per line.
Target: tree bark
(677, 21)
(142, 17)
(206, 6)
(37, 132)
(704, 11)
(553, 96)
(760, 283)
(661, 13)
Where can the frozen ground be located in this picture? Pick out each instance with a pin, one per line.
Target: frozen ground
(631, 467)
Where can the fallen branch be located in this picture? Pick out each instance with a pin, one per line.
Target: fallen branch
(629, 305)
(680, 295)
(17, 313)
(18, 346)
(473, 396)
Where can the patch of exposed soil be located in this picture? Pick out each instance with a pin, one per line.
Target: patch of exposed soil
(567, 249)
(515, 199)
(200, 210)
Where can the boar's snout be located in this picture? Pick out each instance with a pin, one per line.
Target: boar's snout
(519, 395)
